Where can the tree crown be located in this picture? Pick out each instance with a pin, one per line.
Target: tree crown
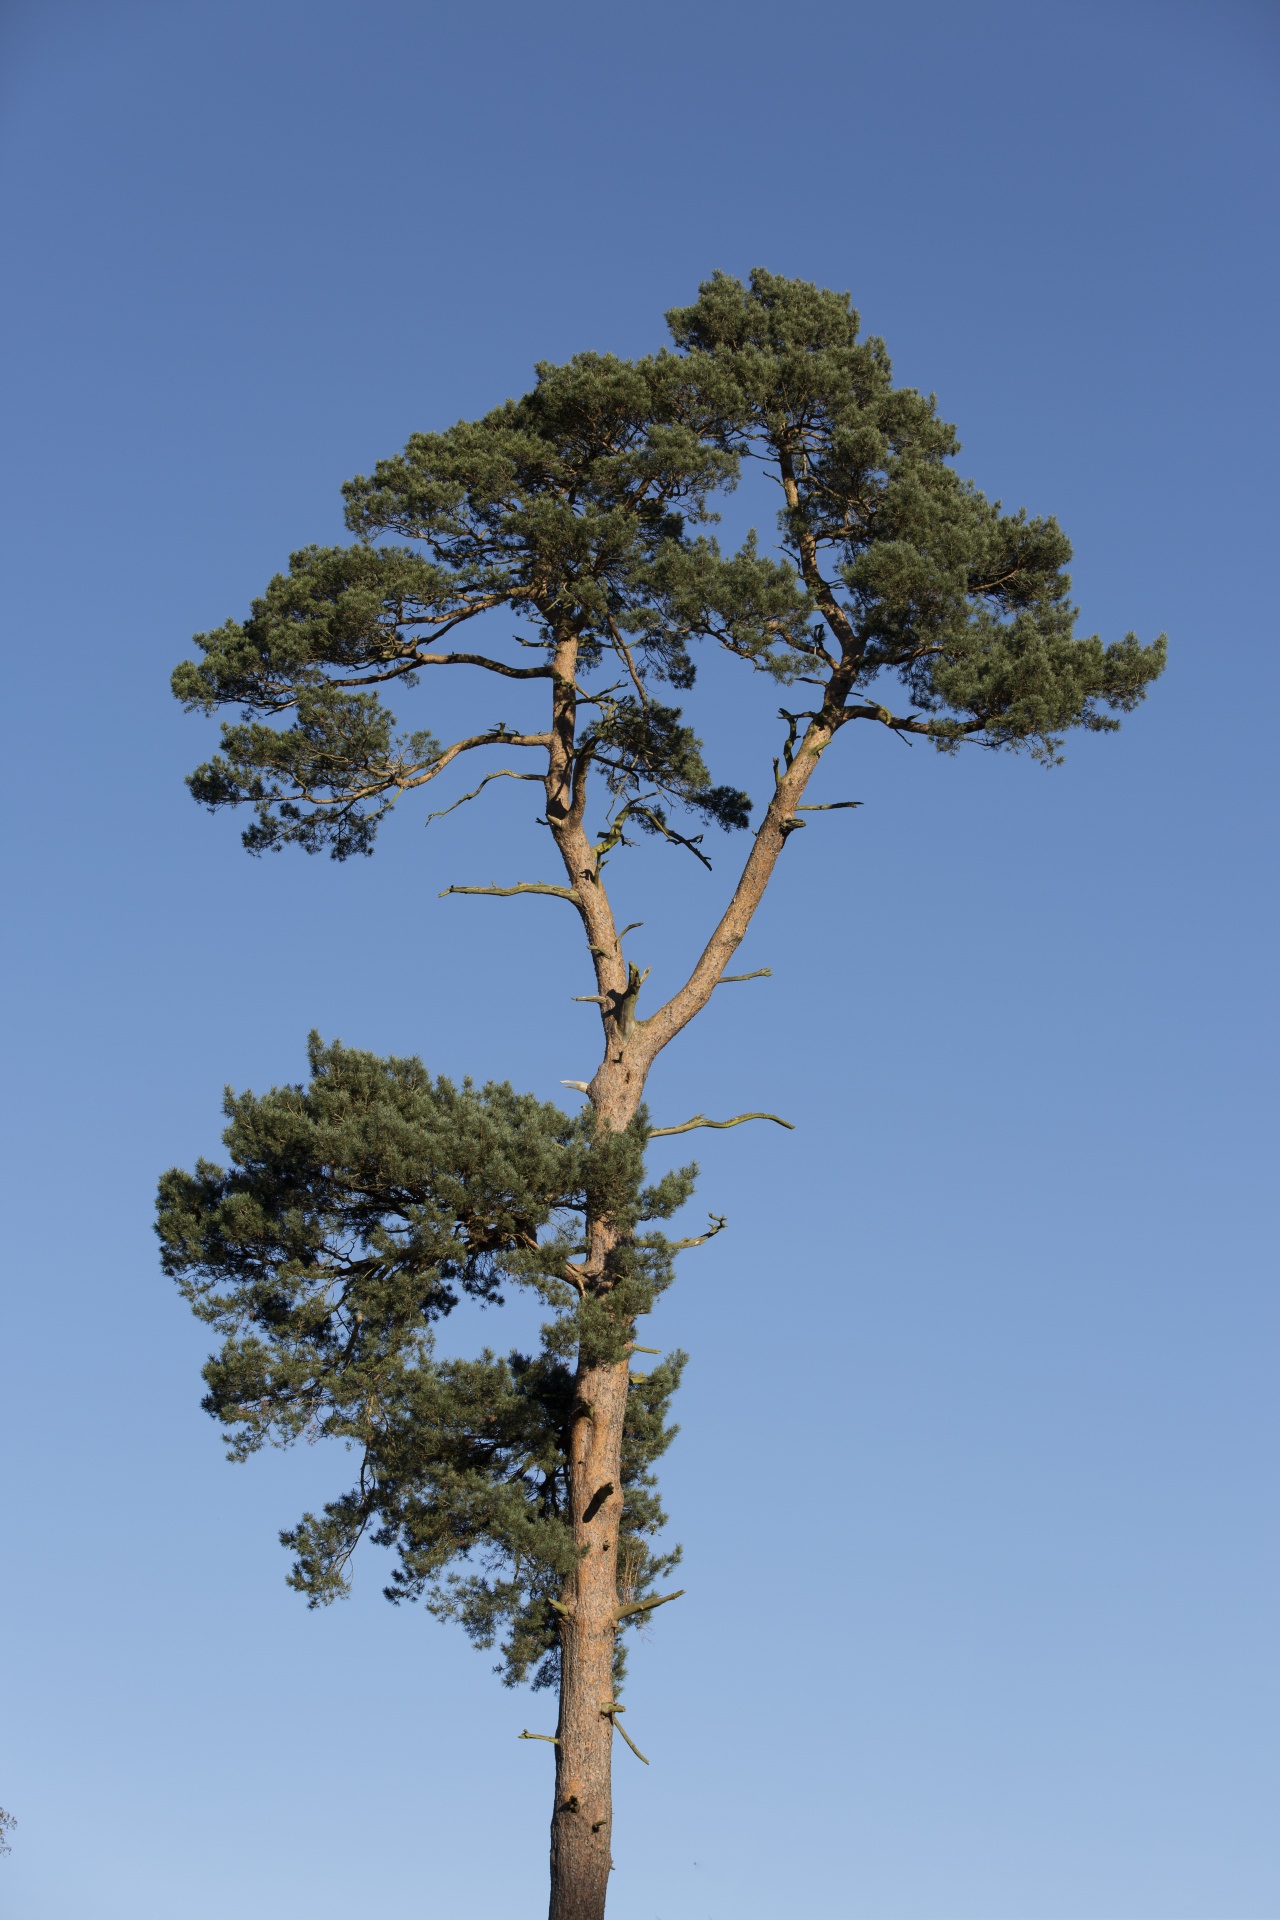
(581, 511)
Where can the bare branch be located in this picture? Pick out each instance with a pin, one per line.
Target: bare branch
(897, 723)
(524, 886)
(550, 1738)
(503, 773)
(625, 651)
(701, 1120)
(660, 1600)
(498, 736)
(824, 806)
(761, 973)
(610, 1714)
(619, 1002)
(718, 1225)
(659, 825)
(411, 659)
(481, 660)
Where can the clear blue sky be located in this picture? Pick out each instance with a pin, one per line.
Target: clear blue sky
(977, 1471)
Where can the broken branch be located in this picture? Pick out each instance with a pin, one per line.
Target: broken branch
(718, 1225)
(616, 1724)
(647, 1606)
(597, 1500)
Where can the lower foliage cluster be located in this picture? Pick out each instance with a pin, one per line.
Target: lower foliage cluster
(356, 1212)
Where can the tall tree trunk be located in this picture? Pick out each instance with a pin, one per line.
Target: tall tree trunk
(582, 1820)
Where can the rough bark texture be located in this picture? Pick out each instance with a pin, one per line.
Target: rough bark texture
(582, 1819)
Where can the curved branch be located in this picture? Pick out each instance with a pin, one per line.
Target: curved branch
(718, 1225)
(701, 1120)
(481, 660)
(503, 773)
(499, 736)
(410, 660)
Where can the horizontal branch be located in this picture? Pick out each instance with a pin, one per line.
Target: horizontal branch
(647, 1606)
(482, 660)
(524, 886)
(701, 1120)
(409, 661)
(761, 973)
(823, 806)
(548, 1737)
(897, 723)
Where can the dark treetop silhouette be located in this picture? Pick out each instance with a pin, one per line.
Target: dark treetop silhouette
(518, 1493)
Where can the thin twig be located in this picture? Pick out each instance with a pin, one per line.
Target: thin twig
(503, 773)
(625, 651)
(611, 1715)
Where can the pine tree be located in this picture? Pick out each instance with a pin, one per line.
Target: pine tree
(518, 1493)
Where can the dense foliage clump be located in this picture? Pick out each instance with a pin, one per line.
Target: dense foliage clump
(357, 1211)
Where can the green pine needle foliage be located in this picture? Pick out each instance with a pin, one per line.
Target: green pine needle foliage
(356, 1212)
(967, 606)
(584, 505)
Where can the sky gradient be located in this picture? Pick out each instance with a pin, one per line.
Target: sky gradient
(977, 1486)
